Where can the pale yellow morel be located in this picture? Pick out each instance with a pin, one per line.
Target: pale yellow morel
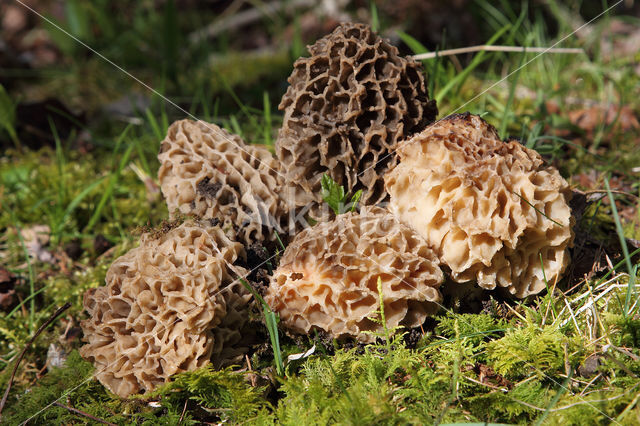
(492, 210)
(327, 277)
(210, 173)
(348, 105)
(168, 305)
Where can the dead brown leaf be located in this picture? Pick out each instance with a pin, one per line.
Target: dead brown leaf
(36, 239)
(619, 39)
(595, 117)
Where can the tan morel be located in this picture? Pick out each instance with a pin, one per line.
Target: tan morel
(167, 306)
(347, 107)
(327, 278)
(208, 172)
(492, 210)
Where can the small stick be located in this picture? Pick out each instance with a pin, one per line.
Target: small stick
(252, 376)
(492, 48)
(51, 319)
(489, 385)
(83, 414)
(613, 191)
(184, 410)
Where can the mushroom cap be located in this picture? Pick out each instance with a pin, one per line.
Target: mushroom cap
(489, 208)
(327, 277)
(156, 315)
(207, 172)
(347, 107)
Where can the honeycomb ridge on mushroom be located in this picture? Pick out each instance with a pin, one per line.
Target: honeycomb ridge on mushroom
(347, 107)
(208, 172)
(489, 208)
(158, 312)
(327, 277)
(232, 336)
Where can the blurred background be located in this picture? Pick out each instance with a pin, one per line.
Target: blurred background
(216, 58)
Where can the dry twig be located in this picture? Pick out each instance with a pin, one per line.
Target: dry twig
(51, 319)
(492, 48)
(83, 414)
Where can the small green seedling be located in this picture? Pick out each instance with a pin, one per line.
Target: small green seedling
(334, 195)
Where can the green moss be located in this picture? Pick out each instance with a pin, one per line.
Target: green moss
(625, 331)
(73, 386)
(508, 407)
(474, 327)
(467, 344)
(601, 407)
(384, 385)
(531, 349)
(70, 380)
(225, 394)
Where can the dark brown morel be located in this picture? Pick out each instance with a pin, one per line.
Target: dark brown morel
(347, 107)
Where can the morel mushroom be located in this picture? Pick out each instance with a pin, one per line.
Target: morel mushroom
(492, 210)
(207, 172)
(347, 107)
(327, 277)
(158, 313)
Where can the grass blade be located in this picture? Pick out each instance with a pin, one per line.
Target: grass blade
(477, 60)
(109, 191)
(78, 199)
(512, 91)
(268, 128)
(155, 127)
(536, 209)
(26, 299)
(625, 249)
(546, 284)
(556, 398)
(8, 116)
(271, 320)
(375, 21)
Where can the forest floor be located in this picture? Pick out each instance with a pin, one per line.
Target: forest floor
(80, 137)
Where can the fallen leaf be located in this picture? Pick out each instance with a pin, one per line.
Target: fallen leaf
(56, 356)
(294, 357)
(619, 39)
(590, 366)
(36, 239)
(593, 118)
